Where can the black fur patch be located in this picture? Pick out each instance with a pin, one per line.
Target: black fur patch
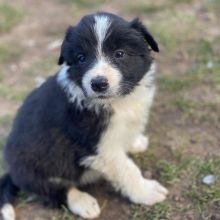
(49, 138)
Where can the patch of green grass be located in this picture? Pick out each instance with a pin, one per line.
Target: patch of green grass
(143, 7)
(184, 105)
(2, 144)
(180, 1)
(206, 69)
(165, 31)
(9, 17)
(213, 5)
(203, 50)
(207, 56)
(11, 93)
(202, 196)
(157, 212)
(85, 3)
(43, 67)
(6, 121)
(169, 172)
(174, 84)
(9, 53)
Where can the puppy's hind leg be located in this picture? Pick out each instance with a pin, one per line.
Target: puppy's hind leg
(82, 204)
(58, 191)
(139, 145)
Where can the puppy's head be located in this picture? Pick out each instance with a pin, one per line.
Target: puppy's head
(107, 56)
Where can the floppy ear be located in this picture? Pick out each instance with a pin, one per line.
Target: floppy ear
(65, 46)
(138, 26)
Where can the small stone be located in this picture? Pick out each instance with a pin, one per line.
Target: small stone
(209, 179)
(210, 64)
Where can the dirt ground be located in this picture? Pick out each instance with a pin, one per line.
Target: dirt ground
(184, 126)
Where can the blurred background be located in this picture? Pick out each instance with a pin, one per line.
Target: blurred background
(184, 129)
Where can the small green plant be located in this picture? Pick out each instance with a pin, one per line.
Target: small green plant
(174, 84)
(9, 17)
(9, 53)
(184, 105)
(156, 212)
(202, 196)
(170, 172)
(143, 7)
(43, 67)
(85, 3)
(6, 121)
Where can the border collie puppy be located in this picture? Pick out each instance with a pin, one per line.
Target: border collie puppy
(81, 123)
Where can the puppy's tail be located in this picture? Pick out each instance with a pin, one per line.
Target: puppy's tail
(8, 192)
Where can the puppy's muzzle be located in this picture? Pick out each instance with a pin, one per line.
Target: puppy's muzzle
(99, 84)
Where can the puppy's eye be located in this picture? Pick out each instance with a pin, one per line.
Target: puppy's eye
(81, 58)
(119, 54)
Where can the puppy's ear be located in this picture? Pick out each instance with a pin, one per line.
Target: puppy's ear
(65, 45)
(138, 26)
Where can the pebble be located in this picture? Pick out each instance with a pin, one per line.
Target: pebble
(208, 179)
(210, 64)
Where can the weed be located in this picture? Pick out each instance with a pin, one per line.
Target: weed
(85, 3)
(202, 196)
(9, 17)
(143, 7)
(184, 105)
(156, 212)
(9, 53)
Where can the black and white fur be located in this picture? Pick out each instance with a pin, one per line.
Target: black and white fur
(67, 134)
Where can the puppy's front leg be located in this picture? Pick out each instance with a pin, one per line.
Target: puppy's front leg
(126, 177)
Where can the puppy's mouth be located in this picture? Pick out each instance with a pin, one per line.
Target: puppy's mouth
(103, 97)
(100, 96)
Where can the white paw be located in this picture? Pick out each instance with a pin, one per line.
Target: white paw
(140, 144)
(150, 193)
(8, 212)
(83, 204)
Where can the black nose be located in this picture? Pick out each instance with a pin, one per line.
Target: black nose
(99, 84)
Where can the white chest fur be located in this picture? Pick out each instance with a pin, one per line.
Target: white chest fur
(128, 121)
(129, 118)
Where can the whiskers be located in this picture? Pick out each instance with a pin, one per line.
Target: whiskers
(125, 87)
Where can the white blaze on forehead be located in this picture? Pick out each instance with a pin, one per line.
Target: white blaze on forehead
(102, 24)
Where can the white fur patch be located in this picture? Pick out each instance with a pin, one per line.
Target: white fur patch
(82, 204)
(102, 24)
(73, 91)
(149, 192)
(8, 212)
(140, 144)
(102, 67)
(128, 121)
